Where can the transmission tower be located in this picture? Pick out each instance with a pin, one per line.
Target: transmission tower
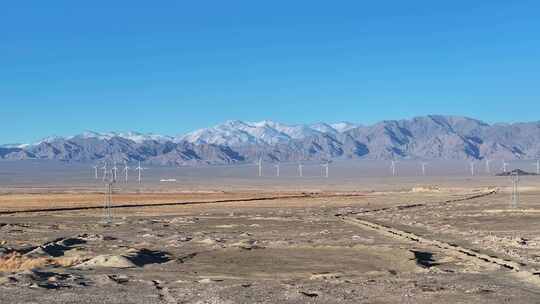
(107, 204)
(515, 189)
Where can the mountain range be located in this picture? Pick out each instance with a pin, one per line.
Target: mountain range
(426, 137)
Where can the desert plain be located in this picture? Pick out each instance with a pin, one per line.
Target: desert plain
(225, 235)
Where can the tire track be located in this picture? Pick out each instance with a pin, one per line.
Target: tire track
(417, 205)
(142, 205)
(467, 254)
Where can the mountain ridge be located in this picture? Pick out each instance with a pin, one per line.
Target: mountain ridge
(235, 141)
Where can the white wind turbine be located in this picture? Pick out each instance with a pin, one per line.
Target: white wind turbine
(140, 169)
(423, 168)
(260, 166)
(324, 169)
(471, 164)
(505, 166)
(112, 179)
(538, 167)
(393, 167)
(115, 171)
(104, 168)
(300, 169)
(95, 171)
(277, 169)
(126, 169)
(488, 168)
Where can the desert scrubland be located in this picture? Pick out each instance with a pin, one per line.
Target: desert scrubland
(453, 239)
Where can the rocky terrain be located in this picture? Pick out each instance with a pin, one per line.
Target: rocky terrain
(424, 245)
(429, 137)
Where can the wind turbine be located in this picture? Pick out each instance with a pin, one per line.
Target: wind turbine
(505, 165)
(423, 168)
(95, 171)
(104, 168)
(140, 169)
(260, 166)
(488, 168)
(393, 167)
(471, 164)
(126, 169)
(113, 176)
(277, 169)
(325, 168)
(115, 171)
(538, 167)
(300, 170)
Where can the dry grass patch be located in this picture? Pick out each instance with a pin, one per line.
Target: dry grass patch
(15, 262)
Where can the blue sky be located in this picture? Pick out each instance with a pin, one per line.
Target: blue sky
(176, 66)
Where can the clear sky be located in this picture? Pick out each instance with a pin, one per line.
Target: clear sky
(173, 66)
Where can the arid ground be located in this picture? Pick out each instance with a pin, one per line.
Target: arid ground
(222, 239)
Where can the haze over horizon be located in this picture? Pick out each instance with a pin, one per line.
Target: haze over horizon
(178, 67)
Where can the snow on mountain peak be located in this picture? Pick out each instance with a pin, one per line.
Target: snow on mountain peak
(133, 136)
(231, 133)
(344, 126)
(235, 132)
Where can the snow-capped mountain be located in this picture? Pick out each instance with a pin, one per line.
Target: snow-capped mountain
(334, 128)
(14, 146)
(230, 133)
(344, 126)
(238, 133)
(425, 137)
(133, 136)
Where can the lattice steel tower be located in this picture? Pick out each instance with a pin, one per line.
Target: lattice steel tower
(107, 205)
(515, 189)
